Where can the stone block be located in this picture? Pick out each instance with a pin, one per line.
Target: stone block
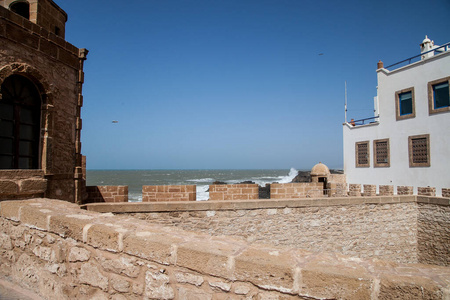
(91, 275)
(332, 281)
(445, 192)
(35, 217)
(70, 225)
(31, 186)
(8, 187)
(183, 277)
(157, 285)
(152, 246)
(208, 257)
(408, 287)
(11, 209)
(370, 190)
(266, 268)
(105, 237)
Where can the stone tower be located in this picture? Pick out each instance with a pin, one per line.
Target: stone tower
(41, 78)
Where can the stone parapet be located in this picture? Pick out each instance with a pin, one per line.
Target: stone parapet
(354, 190)
(426, 191)
(233, 192)
(296, 190)
(155, 193)
(59, 251)
(386, 190)
(446, 193)
(107, 193)
(370, 190)
(405, 190)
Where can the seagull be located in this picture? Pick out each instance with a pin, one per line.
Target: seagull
(114, 121)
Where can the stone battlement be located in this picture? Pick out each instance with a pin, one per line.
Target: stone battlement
(59, 251)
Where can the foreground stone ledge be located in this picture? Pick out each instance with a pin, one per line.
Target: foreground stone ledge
(61, 250)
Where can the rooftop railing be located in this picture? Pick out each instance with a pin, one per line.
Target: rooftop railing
(439, 49)
(363, 121)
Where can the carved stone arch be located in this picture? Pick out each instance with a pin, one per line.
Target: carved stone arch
(47, 92)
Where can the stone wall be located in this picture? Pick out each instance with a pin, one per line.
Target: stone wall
(434, 233)
(61, 252)
(107, 193)
(152, 193)
(233, 192)
(296, 190)
(365, 229)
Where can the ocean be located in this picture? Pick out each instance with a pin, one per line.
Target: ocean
(135, 179)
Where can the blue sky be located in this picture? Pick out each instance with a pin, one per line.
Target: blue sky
(235, 84)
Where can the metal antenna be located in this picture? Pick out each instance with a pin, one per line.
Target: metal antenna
(345, 105)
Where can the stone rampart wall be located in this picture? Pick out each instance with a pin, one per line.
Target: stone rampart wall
(433, 234)
(356, 228)
(296, 190)
(233, 192)
(61, 252)
(107, 193)
(153, 193)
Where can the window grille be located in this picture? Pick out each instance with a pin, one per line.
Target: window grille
(381, 150)
(419, 150)
(362, 154)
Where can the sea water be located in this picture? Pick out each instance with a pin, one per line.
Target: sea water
(135, 179)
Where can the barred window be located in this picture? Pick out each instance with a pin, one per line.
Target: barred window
(419, 150)
(362, 154)
(381, 153)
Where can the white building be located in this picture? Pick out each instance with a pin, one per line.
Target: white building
(407, 142)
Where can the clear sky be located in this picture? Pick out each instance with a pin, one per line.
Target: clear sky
(235, 84)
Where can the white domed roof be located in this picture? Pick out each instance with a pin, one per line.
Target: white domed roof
(320, 170)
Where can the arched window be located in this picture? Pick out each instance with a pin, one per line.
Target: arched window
(20, 118)
(21, 8)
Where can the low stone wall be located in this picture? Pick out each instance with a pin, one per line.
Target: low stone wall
(296, 190)
(107, 193)
(22, 184)
(154, 193)
(61, 252)
(233, 192)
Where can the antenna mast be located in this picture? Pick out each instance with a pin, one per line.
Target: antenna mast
(345, 104)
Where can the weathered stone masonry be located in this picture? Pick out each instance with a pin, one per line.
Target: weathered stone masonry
(61, 252)
(36, 50)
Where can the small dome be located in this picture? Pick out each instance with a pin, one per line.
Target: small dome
(426, 40)
(320, 170)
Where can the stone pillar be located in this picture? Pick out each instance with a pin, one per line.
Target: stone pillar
(404, 190)
(445, 193)
(370, 190)
(426, 191)
(354, 190)
(386, 190)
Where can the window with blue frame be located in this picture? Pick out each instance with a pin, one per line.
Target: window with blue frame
(439, 95)
(404, 104)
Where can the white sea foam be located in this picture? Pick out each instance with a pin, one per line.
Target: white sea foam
(202, 192)
(287, 179)
(201, 180)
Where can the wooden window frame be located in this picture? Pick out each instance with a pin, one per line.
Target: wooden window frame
(431, 109)
(413, 164)
(398, 116)
(376, 164)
